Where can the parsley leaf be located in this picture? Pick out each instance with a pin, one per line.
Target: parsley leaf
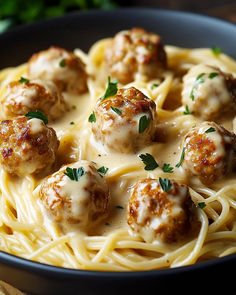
(62, 63)
(74, 173)
(212, 75)
(165, 184)
(216, 50)
(209, 130)
(154, 85)
(23, 80)
(187, 111)
(116, 110)
(199, 80)
(119, 207)
(92, 117)
(201, 205)
(144, 122)
(111, 89)
(149, 161)
(167, 168)
(181, 158)
(38, 115)
(102, 170)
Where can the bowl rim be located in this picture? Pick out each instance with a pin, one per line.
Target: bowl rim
(38, 267)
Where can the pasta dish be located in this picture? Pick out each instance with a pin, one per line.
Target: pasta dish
(119, 159)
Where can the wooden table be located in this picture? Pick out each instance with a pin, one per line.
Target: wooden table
(225, 9)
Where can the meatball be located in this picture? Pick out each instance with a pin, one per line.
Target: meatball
(60, 66)
(27, 146)
(158, 214)
(21, 98)
(135, 53)
(81, 200)
(210, 152)
(125, 122)
(208, 92)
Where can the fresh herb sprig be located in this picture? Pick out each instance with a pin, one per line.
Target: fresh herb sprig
(23, 80)
(111, 89)
(199, 80)
(38, 115)
(75, 173)
(92, 117)
(165, 184)
(167, 168)
(102, 170)
(144, 122)
(209, 130)
(181, 158)
(149, 161)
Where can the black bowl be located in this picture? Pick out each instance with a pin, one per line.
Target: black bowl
(81, 30)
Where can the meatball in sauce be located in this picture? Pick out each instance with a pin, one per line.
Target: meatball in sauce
(62, 67)
(125, 122)
(75, 195)
(135, 53)
(210, 152)
(158, 214)
(27, 146)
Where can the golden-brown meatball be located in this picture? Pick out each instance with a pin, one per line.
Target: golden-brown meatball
(125, 122)
(81, 200)
(210, 152)
(27, 146)
(135, 53)
(21, 98)
(208, 92)
(158, 213)
(62, 67)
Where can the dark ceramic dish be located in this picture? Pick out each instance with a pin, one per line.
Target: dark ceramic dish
(82, 30)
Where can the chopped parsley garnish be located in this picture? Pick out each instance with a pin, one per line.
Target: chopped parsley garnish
(107, 223)
(209, 130)
(92, 117)
(165, 184)
(62, 63)
(167, 168)
(73, 107)
(144, 122)
(111, 89)
(149, 161)
(102, 170)
(150, 47)
(212, 75)
(116, 110)
(201, 205)
(119, 207)
(23, 80)
(187, 111)
(216, 50)
(181, 158)
(74, 173)
(199, 80)
(154, 85)
(38, 115)
(72, 123)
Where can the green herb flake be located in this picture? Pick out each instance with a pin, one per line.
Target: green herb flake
(209, 130)
(154, 85)
(144, 122)
(167, 168)
(23, 80)
(199, 80)
(111, 89)
(102, 170)
(165, 184)
(72, 123)
(62, 63)
(212, 75)
(187, 111)
(74, 173)
(149, 161)
(107, 223)
(201, 205)
(73, 107)
(38, 115)
(119, 207)
(92, 117)
(216, 50)
(181, 158)
(150, 46)
(116, 110)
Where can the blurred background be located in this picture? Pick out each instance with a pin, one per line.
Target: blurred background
(17, 12)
